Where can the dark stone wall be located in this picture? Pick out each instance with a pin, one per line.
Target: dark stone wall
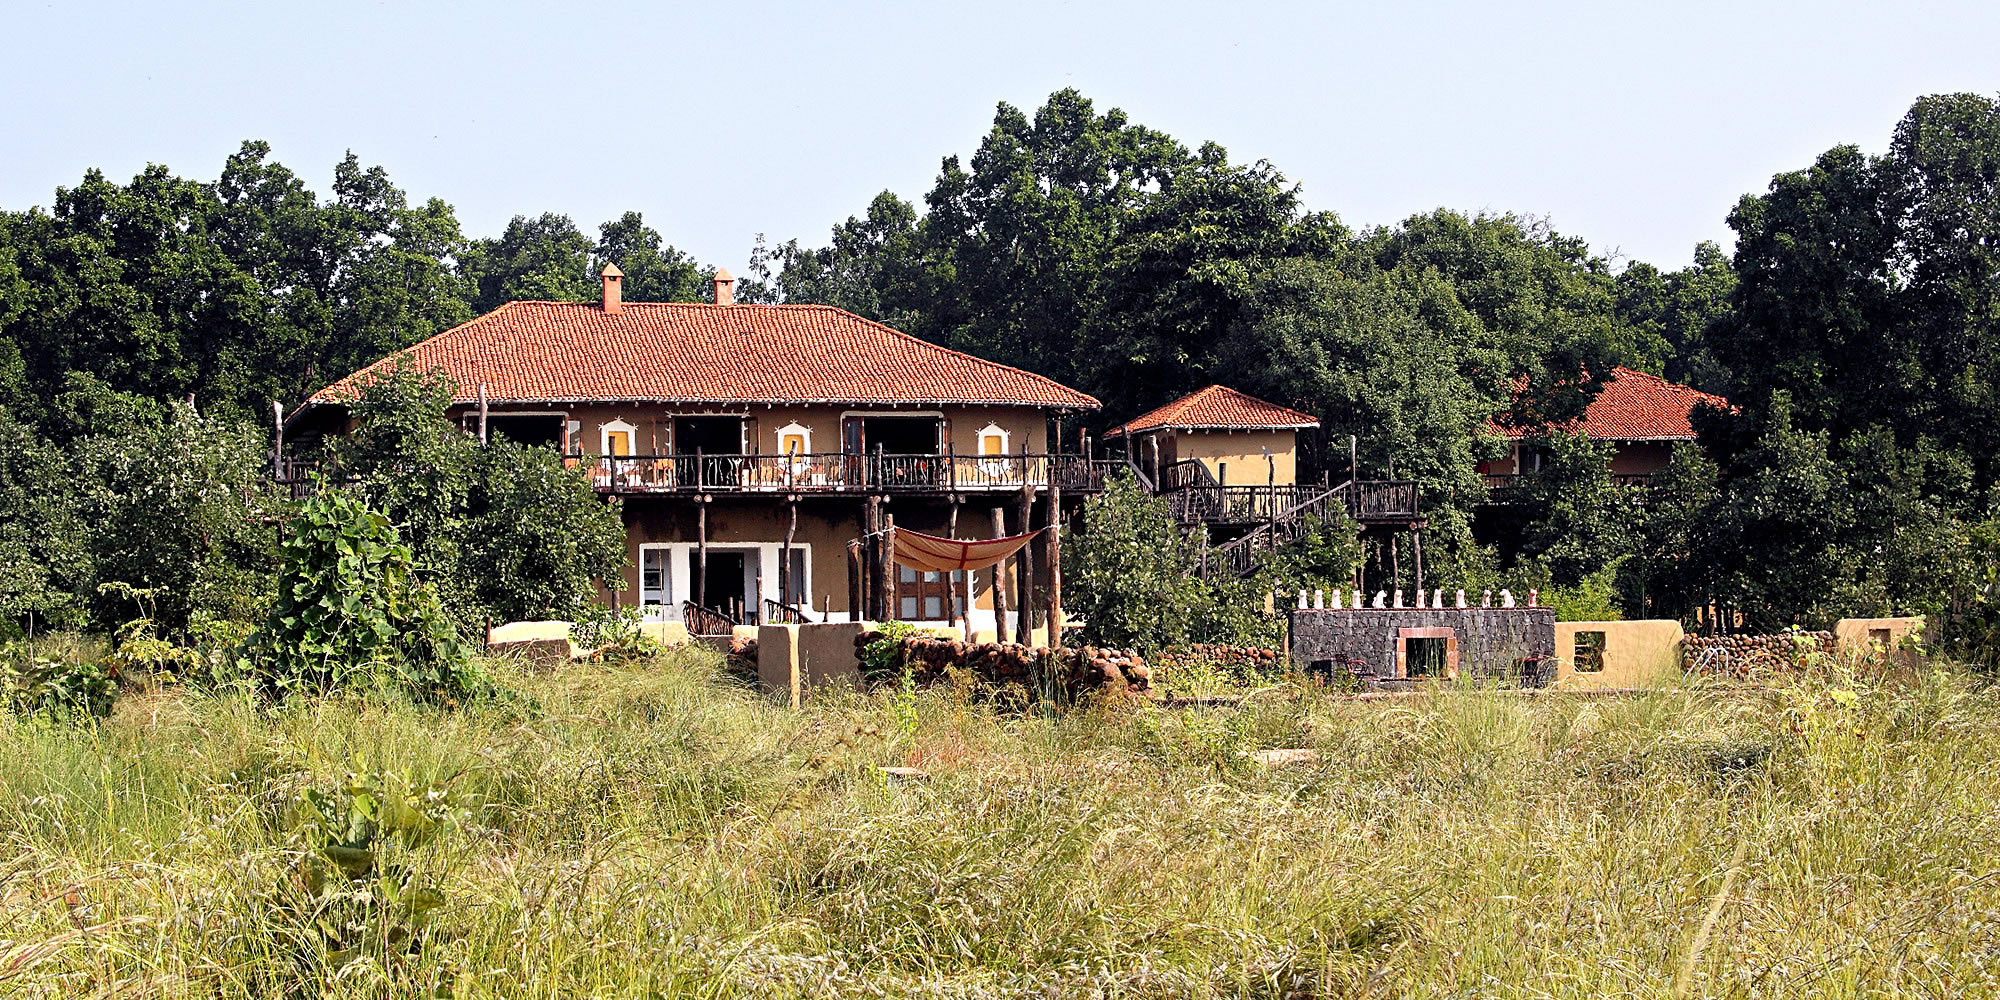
(1490, 640)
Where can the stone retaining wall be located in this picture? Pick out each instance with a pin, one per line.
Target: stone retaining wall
(1490, 642)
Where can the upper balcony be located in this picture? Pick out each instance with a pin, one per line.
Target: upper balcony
(1506, 489)
(842, 473)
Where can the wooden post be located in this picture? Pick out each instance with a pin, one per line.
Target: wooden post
(1000, 630)
(1395, 563)
(1026, 567)
(482, 413)
(277, 440)
(701, 552)
(1417, 543)
(1353, 460)
(1271, 490)
(951, 602)
(1055, 566)
(871, 558)
(890, 609)
(785, 553)
(856, 582)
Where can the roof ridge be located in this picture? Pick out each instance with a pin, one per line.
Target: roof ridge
(796, 351)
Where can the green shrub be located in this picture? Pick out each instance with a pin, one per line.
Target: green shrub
(55, 686)
(883, 657)
(351, 613)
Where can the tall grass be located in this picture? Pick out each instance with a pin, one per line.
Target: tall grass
(656, 831)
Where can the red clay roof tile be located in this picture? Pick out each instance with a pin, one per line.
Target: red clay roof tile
(1218, 407)
(1635, 406)
(705, 353)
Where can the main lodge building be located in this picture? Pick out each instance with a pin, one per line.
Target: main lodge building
(759, 441)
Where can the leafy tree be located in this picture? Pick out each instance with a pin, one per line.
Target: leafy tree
(1177, 278)
(353, 613)
(1581, 521)
(654, 272)
(1681, 309)
(872, 267)
(161, 498)
(1868, 292)
(1130, 573)
(537, 536)
(541, 259)
(505, 532)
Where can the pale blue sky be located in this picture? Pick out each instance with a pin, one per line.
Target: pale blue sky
(1635, 126)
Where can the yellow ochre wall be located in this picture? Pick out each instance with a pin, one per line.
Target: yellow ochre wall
(1236, 455)
(1636, 653)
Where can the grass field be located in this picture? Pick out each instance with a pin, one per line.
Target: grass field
(655, 831)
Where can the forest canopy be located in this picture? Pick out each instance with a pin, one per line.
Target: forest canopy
(1855, 326)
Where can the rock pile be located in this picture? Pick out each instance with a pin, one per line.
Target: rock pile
(1741, 655)
(1253, 657)
(1078, 670)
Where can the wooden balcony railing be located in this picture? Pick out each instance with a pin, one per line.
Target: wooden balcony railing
(835, 473)
(1512, 488)
(1390, 500)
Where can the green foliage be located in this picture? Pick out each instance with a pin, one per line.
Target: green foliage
(352, 614)
(53, 685)
(1594, 598)
(1129, 572)
(360, 900)
(613, 635)
(505, 531)
(159, 497)
(1580, 521)
(883, 657)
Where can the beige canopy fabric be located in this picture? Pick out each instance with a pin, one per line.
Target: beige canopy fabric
(943, 555)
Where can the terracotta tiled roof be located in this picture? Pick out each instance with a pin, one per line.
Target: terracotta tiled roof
(1635, 406)
(1221, 408)
(705, 353)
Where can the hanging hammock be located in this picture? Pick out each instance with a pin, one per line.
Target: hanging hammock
(944, 555)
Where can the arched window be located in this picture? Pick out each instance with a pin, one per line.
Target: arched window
(795, 439)
(993, 442)
(615, 439)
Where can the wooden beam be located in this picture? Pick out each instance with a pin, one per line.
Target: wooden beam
(890, 610)
(871, 560)
(701, 555)
(857, 580)
(1026, 564)
(1000, 630)
(785, 552)
(1055, 566)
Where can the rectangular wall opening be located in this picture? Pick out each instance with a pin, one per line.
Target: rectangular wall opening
(1424, 657)
(1587, 657)
(1427, 652)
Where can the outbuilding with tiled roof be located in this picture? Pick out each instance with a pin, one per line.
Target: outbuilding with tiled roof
(1635, 406)
(1643, 416)
(1217, 435)
(1216, 408)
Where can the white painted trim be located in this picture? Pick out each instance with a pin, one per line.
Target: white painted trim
(680, 583)
(795, 428)
(609, 427)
